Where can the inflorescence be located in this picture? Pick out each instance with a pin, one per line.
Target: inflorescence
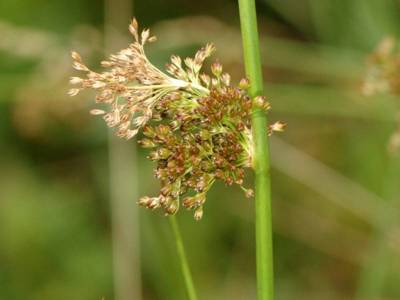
(197, 126)
(383, 76)
(383, 73)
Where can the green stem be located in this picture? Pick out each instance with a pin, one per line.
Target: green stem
(187, 276)
(261, 164)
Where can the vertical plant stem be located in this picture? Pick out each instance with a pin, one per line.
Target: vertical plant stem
(123, 176)
(261, 164)
(187, 276)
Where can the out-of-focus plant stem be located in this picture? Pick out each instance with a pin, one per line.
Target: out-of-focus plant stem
(187, 275)
(123, 176)
(261, 163)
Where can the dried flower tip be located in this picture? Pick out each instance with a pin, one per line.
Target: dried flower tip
(166, 189)
(76, 56)
(198, 214)
(149, 131)
(195, 201)
(133, 27)
(277, 126)
(261, 102)
(147, 143)
(73, 92)
(162, 130)
(239, 181)
(131, 133)
(176, 60)
(151, 203)
(206, 79)
(75, 80)
(98, 85)
(106, 64)
(144, 201)
(152, 39)
(145, 35)
(249, 193)
(209, 49)
(203, 53)
(226, 79)
(154, 203)
(97, 112)
(172, 208)
(79, 66)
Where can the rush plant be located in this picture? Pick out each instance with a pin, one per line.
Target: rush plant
(199, 128)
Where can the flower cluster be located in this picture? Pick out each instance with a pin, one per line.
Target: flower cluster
(383, 73)
(383, 76)
(197, 126)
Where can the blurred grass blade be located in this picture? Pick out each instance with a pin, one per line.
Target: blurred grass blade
(340, 190)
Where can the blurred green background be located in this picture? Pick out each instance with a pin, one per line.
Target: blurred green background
(69, 225)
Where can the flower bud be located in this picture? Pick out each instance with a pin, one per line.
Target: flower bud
(148, 131)
(166, 190)
(154, 203)
(154, 155)
(226, 79)
(259, 101)
(249, 193)
(204, 134)
(75, 80)
(163, 130)
(147, 143)
(206, 79)
(244, 84)
(216, 68)
(189, 202)
(163, 153)
(172, 208)
(144, 201)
